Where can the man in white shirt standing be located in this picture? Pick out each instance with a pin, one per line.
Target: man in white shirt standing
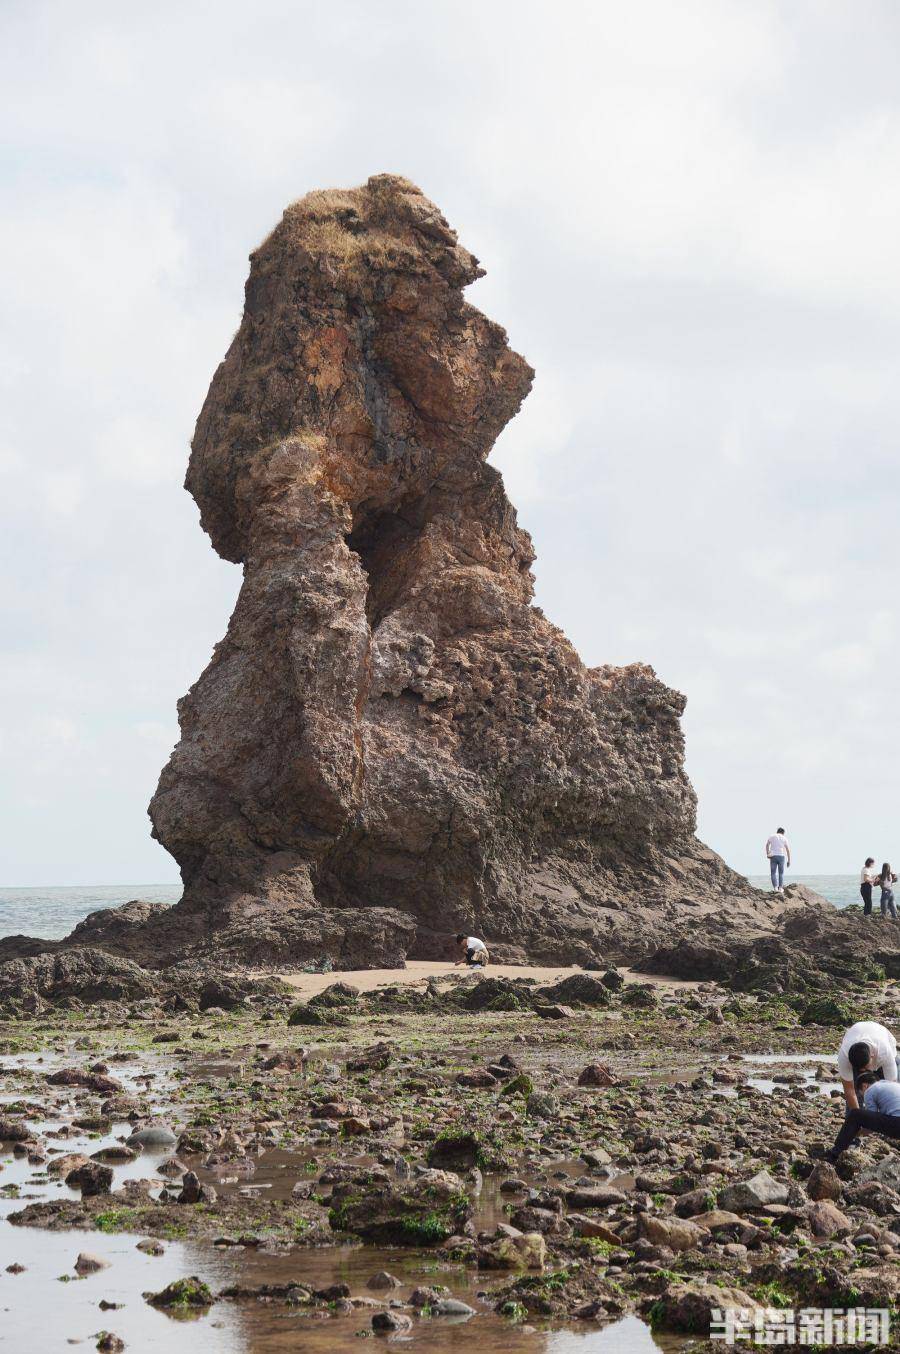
(866, 1047)
(779, 854)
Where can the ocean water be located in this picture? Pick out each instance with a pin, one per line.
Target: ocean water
(51, 913)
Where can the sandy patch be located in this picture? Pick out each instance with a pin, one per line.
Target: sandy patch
(418, 971)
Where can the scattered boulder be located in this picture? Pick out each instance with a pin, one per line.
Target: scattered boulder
(186, 1293)
(823, 1010)
(153, 1136)
(511, 1249)
(679, 1234)
(87, 1263)
(595, 1196)
(422, 1211)
(595, 1074)
(382, 1281)
(455, 1151)
(336, 994)
(391, 1323)
(116, 1152)
(583, 988)
(91, 1081)
(14, 1130)
(824, 1182)
(541, 1105)
(826, 1220)
(85, 974)
(194, 1192)
(91, 1178)
(109, 1343)
(757, 1192)
(690, 1306)
(67, 1163)
(479, 1079)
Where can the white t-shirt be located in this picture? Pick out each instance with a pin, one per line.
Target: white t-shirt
(777, 845)
(869, 876)
(877, 1037)
(473, 943)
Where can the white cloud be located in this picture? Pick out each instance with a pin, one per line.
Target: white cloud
(689, 215)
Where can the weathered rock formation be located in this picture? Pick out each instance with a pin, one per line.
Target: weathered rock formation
(389, 725)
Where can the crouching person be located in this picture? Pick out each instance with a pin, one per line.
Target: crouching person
(880, 1113)
(475, 951)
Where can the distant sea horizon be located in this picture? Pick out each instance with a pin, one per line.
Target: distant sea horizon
(51, 913)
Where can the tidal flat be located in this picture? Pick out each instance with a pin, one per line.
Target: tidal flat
(474, 1161)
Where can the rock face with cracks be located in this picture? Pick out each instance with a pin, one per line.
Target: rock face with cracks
(391, 743)
(389, 724)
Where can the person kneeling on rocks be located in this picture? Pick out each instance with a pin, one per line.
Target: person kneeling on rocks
(866, 1047)
(880, 1113)
(476, 951)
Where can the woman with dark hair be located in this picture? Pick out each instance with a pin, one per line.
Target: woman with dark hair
(886, 880)
(880, 1113)
(866, 880)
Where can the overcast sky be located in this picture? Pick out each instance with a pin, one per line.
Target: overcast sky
(690, 218)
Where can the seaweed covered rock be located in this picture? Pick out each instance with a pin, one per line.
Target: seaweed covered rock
(423, 1211)
(810, 949)
(85, 974)
(579, 987)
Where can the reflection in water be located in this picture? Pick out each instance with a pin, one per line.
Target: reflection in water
(68, 1311)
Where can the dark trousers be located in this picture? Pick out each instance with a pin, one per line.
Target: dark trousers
(866, 891)
(888, 1125)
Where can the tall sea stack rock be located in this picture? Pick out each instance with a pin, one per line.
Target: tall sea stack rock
(392, 743)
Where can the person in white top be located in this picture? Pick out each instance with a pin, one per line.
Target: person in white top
(868, 877)
(866, 1047)
(779, 854)
(476, 952)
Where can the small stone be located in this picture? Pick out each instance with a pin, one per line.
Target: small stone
(193, 1192)
(391, 1323)
(383, 1281)
(595, 1074)
(87, 1263)
(824, 1182)
(827, 1221)
(452, 1307)
(14, 1130)
(92, 1178)
(752, 1194)
(481, 1079)
(153, 1135)
(185, 1293)
(678, 1234)
(541, 1105)
(172, 1169)
(117, 1153)
(584, 1226)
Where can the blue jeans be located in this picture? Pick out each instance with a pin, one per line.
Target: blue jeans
(776, 869)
